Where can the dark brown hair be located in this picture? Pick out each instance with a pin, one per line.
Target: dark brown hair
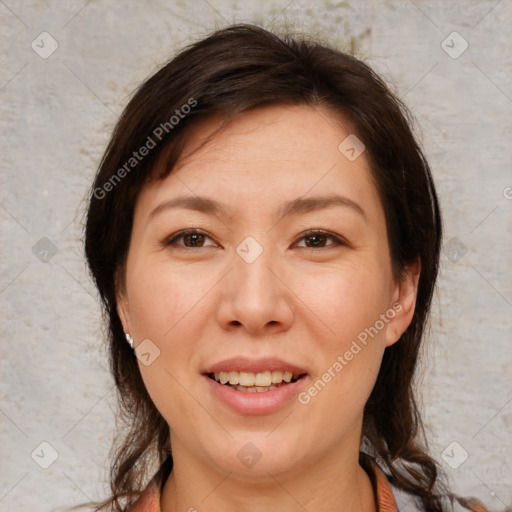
(232, 71)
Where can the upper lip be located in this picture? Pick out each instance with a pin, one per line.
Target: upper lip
(255, 365)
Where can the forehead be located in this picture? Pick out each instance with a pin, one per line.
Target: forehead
(266, 157)
(273, 134)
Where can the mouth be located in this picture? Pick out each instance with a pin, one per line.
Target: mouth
(259, 382)
(255, 386)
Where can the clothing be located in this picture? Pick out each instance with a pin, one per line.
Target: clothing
(388, 498)
(149, 501)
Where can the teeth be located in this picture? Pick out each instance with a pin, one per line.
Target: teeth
(261, 380)
(246, 379)
(287, 376)
(255, 389)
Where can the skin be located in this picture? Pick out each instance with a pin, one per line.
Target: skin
(303, 300)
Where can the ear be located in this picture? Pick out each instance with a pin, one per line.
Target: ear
(123, 310)
(404, 303)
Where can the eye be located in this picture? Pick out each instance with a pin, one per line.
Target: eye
(318, 239)
(192, 238)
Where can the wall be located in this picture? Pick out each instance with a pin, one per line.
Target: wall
(57, 111)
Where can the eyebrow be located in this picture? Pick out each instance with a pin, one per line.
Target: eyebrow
(296, 206)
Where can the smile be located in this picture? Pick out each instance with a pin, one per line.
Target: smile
(260, 382)
(253, 399)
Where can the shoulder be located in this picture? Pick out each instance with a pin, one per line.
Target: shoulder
(84, 508)
(408, 503)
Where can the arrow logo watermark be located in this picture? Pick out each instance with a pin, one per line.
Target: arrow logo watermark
(454, 455)
(147, 352)
(454, 45)
(249, 249)
(44, 249)
(44, 45)
(351, 147)
(249, 455)
(44, 455)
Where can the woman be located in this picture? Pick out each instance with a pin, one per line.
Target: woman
(264, 233)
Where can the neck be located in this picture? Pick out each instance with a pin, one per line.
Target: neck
(336, 482)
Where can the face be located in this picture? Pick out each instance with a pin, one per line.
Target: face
(263, 257)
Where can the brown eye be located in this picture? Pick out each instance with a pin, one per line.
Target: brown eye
(191, 239)
(319, 239)
(316, 240)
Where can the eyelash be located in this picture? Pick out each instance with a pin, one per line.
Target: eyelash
(171, 241)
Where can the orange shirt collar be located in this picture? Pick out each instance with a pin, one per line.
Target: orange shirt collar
(149, 501)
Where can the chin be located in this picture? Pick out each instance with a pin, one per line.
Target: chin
(253, 456)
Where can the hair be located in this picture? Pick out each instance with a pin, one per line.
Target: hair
(232, 71)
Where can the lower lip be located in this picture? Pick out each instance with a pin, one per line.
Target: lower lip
(264, 402)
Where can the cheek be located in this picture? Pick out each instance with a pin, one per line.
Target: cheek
(164, 300)
(167, 308)
(350, 303)
(348, 365)
(347, 301)
(173, 396)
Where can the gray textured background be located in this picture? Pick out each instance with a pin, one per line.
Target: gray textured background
(56, 117)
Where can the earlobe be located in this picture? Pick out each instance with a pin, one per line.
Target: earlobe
(404, 303)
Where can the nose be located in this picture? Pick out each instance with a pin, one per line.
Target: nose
(255, 297)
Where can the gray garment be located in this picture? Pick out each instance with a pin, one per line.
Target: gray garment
(405, 502)
(408, 503)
